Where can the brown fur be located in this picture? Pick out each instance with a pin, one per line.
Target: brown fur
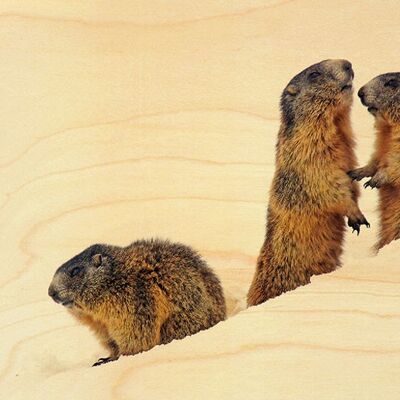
(382, 97)
(311, 192)
(136, 297)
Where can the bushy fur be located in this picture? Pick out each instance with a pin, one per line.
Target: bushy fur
(311, 192)
(382, 97)
(136, 297)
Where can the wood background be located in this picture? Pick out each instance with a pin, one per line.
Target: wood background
(135, 118)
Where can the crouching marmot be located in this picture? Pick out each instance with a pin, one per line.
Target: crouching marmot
(138, 296)
(382, 97)
(311, 192)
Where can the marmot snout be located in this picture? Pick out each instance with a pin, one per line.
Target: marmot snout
(138, 296)
(381, 96)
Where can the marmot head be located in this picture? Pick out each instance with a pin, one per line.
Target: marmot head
(319, 89)
(82, 279)
(382, 97)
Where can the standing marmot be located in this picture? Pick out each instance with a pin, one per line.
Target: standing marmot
(138, 296)
(382, 97)
(311, 191)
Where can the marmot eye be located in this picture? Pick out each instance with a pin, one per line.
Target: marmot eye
(314, 75)
(75, 271)
(393, 83)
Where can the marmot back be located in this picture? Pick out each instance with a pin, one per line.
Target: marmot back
(382, 97)
(311, 192)
(138, 296)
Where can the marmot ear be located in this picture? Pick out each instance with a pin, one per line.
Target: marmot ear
(292, 90)
(97, 260)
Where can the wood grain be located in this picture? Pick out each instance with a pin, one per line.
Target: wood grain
(131, 119)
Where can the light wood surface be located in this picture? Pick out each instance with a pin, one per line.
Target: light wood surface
(130, 119)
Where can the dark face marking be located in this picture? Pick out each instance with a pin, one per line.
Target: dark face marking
(71, 278)
(381, 96)
(314, 90)
(289, 189)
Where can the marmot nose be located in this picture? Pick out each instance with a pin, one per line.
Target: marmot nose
(54, 295)
(361, 95)
(348, 67)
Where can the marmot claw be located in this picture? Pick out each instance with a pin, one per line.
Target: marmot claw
(103, 360)
(372, 184)
(355, 224)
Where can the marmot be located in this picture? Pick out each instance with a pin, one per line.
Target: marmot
(311, 192)
(382, 97)
(138, 296)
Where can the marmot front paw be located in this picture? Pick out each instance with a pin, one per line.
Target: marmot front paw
(378, 180)
(358, 174)
(373, 184)
(356, 223)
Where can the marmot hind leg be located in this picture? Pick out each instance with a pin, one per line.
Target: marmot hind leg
(386, 237)
(272, 282)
